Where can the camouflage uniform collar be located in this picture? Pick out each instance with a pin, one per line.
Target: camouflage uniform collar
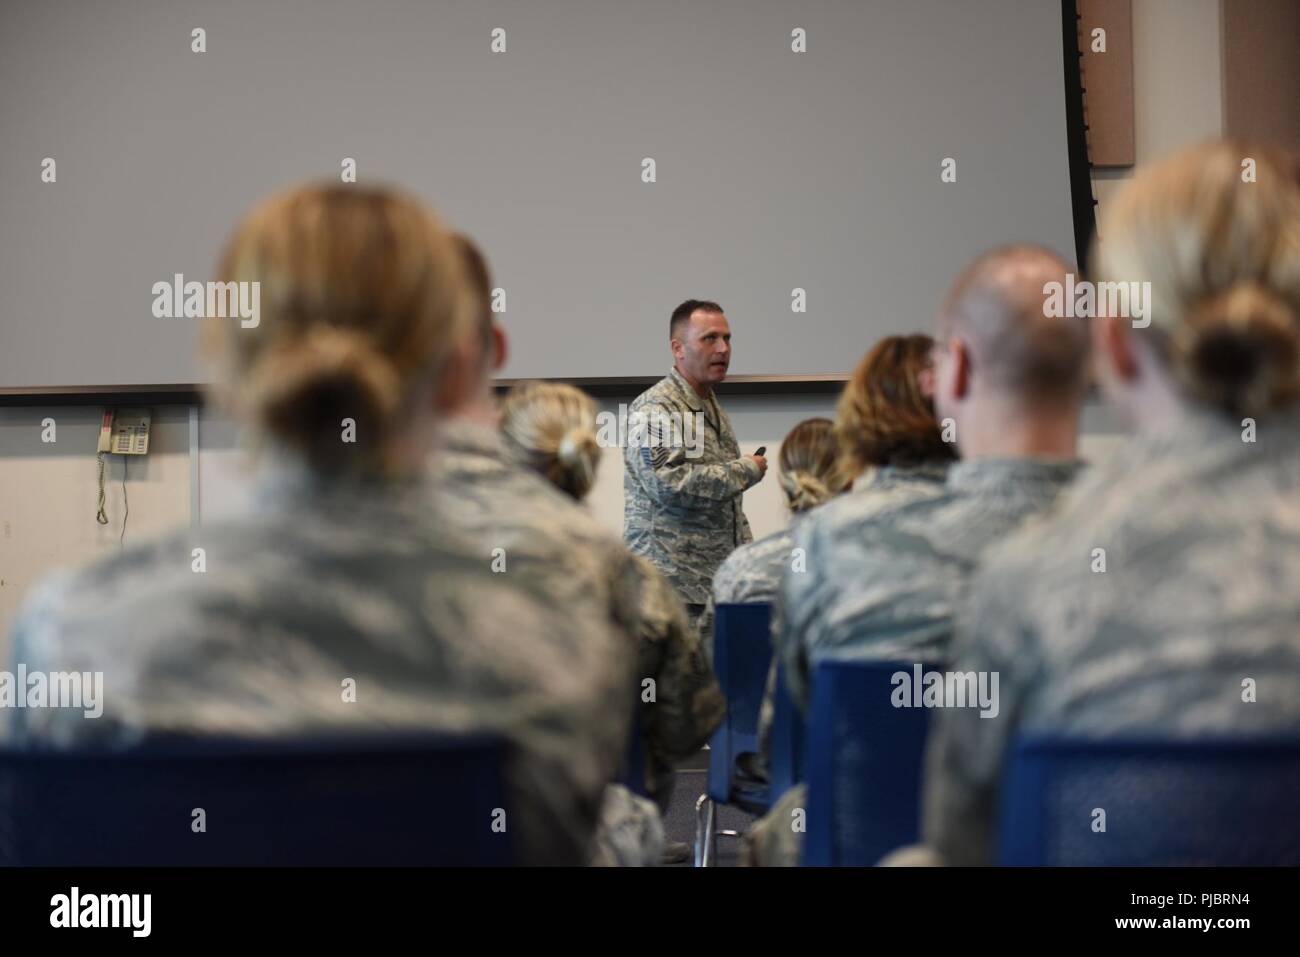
(463, 437)
(797, 518)
(285, 479)
(891, 476)
(691, 397)
(994, 474)
(1198, 429)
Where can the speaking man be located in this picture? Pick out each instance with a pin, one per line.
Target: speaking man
(684, 473)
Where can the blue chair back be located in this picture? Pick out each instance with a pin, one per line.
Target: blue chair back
(632, 775)
(354, 801)
(742, 652)
(785, 749)
(1166, 803)
(864, 763)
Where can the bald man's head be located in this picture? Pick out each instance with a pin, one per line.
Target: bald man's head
(996, 310)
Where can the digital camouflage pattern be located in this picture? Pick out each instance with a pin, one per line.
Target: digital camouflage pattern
(556, 543)
(1200, 595)
(523, 526)
(682, 511)
(688, 705)
(326, 584)
(818, 607)
(892, 570)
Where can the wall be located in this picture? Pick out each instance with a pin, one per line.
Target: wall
(47, 492)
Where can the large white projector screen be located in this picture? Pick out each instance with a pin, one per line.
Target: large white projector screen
(796, 146)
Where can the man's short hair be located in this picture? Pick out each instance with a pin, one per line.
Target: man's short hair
(997, 305)
(683, 312)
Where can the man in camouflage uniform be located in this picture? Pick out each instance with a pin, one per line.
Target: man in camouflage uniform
(683, 472)
(885, 574)
(1201, 591)
(1163, 598)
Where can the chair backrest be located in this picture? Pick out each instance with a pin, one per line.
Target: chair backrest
(1162, 802)
(632, 774)
(742, 652)
(864, 763)
(392, 800)
(786, 745)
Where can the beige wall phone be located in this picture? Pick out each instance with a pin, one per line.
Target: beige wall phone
(125, 432)
(122, 432)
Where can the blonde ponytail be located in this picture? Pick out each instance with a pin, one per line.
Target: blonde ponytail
(810, 464)
(550, 427)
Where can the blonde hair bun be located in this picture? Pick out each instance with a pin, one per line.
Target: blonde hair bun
(307, 384)
(810, 465)
(1240, 350)
(1222, 258)
(577, 454)
(803, 490)
(549, 426)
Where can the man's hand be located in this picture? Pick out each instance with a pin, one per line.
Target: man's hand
(762, 464)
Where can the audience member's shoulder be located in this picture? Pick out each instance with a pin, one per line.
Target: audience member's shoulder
(144, 565)
(847, 515)
(745, 558)
(133, 587)
(1049, 542)
(1050, 549)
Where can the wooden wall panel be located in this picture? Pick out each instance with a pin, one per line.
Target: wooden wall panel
(1261, 70)
(1108, 81)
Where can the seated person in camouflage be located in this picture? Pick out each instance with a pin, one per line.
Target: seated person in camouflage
(1163, 597)
(521, 524)
(550, 428)
(810, 474)
(1010, 380)
(893, 446)
(683, 475)
(341, 602)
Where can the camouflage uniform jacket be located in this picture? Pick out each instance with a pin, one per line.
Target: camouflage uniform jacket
(818, 600)
(554, 541)
(688, 705)
(893, 570)
(680, 510)
(522, 525)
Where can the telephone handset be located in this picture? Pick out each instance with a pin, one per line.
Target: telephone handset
(124, 432)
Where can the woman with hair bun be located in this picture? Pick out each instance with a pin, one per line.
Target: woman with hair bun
(341, 602)
(810, 474)
(550, 428)
(1162, 599)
